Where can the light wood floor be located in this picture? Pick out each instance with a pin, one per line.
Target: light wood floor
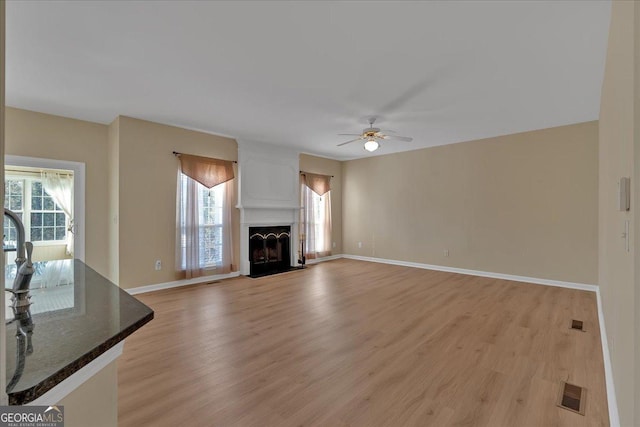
(362, 344)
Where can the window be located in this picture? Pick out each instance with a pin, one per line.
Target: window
(315, 221)
(48, 220)
(204, 211)
(13, 200)
(320, 220)
(209, 222)
(44, 221)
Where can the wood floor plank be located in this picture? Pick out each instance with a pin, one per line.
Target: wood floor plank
(352, 343)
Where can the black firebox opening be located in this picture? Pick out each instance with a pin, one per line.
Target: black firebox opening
(269, 250)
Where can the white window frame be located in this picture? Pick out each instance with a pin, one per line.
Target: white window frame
(78, 169)
(318, 207)
(26, 217)
(220, 190)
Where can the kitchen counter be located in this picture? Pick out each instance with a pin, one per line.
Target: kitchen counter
(77, 315)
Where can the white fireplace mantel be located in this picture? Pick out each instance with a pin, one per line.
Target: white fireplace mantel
(268, 193)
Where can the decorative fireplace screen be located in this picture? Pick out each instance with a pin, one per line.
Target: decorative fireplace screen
(269, 250)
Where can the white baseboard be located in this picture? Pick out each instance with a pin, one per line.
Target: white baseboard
(323, 259)
(547, 282)
(179, 283)
(203, 279)
(614, 417)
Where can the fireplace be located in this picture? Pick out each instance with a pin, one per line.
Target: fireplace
(269, 202)
(269, 250)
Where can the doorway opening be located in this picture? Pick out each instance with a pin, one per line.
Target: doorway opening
(48, 195)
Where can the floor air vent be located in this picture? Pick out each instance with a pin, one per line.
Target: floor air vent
(572, 397)
(577, 324)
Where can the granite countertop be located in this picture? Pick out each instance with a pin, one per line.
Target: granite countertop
(77, 315)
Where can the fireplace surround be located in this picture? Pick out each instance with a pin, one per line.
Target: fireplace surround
(268, 181)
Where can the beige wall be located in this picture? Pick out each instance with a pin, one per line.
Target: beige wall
(618, 278)
(95, 402)
(324, 166)
(636, 198)
(113, 177)
(129, 165)
(32, 134)
(147, 195)
(523, 204)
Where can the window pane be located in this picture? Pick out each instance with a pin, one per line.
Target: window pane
(36, 234)
(211, 230)
(13, 194)
(210, 246)
(60, 219)
(15, 202)
(16, 186)
(36, 219)
(47, 204)
(36, 203)
(60, 233)
(48, 219)
(36, 188)
(48, 233)
(9, 230)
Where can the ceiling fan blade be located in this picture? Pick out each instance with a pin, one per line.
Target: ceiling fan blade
(398, 138)
(349, 142)
(349, 134)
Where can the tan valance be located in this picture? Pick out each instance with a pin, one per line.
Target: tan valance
(207, 171)
(320, 184)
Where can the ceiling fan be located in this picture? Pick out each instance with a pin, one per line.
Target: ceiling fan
(372, 135)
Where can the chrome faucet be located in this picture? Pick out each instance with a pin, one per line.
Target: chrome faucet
(21, 299)
(25, 270)
(24, 344)
(21, 237)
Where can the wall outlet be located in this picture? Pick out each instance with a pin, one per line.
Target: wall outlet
(359, 244)
(334, 244)
(446, 252)
(158, 264)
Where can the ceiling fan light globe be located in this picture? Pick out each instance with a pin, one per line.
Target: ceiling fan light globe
(371, 145)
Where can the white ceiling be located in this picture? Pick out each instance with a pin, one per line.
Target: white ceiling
(298, 73)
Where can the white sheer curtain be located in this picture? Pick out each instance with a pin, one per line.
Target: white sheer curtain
(307, 220)
(315, 221)
(60, 188)
(188, 238)
(228, 261)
